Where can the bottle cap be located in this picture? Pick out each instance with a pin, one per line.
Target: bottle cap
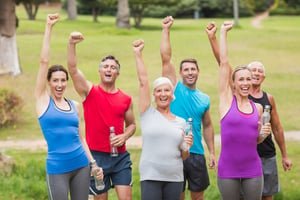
(112, 129)
(190, 119)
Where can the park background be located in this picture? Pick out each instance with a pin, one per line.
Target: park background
(275, 42)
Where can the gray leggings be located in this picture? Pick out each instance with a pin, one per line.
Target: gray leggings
(76, 181)
(161, 190)
(230, 188)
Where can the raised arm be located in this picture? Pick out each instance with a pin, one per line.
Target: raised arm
(225, 91)
(211, 30)
(144, 89)
(82, 86)
(41, 94)
(168, 68)
(279, 135)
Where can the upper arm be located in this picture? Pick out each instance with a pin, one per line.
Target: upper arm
(275, 122)
(129, 116)
(225, 89)
(81, 85)
(206, 119)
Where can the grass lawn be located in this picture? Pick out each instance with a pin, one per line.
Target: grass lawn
(276, 44)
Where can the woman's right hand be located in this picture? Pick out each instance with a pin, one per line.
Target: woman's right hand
(52, 19)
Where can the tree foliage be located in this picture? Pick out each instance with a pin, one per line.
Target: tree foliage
(137, 7)
(95, 7)
(32, 6)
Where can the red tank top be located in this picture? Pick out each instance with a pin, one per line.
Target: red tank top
(102, 110)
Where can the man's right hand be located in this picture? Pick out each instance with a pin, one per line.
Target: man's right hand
(167, 22)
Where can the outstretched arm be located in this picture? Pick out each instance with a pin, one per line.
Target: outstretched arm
(279, 135)
(144, 89)
(82, 86)
(225, 91)
(41, 94)
(168, 68)
(211, 30)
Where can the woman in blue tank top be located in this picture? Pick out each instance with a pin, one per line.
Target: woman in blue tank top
(239, 164)
(67, 164)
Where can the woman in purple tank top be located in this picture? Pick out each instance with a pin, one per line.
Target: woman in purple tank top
(239, 164)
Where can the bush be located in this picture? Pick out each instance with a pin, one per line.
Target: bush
(10, 107)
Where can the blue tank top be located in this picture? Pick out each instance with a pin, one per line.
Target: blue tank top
(60, 130)
(239, 133)
(191, 103)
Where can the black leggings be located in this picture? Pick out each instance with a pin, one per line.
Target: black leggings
(78, 181)
(161, 190)
(230, 188)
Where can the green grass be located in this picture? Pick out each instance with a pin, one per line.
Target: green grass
(28, 180)
(276, 44)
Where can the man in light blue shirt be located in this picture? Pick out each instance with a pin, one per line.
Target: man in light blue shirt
(190, 102)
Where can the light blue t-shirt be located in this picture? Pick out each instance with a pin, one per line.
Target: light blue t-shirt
(191, 103)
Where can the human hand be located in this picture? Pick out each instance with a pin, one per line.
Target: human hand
(52, 19)
(211, 29)
(212, 162)
(98, 171)
(75, 37)
(189, 139)
(138, 46)
(118, 140)
(167, 22)
(286, 164)
(227, 26)
(266, 129)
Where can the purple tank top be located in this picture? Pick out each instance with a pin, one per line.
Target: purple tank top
(239, 132)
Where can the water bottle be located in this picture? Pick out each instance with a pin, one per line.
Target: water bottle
(265, 118)
(189, 127)
(188, 130)
(113, 149)
(99, 183)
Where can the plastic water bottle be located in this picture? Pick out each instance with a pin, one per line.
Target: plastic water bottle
(99, 183)
(265, 118)
(113, 149)
(188, 130)
(189, 127)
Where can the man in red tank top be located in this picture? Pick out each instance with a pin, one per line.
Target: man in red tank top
(105, 106)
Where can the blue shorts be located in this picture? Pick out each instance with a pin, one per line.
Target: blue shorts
(195, 173)
(116, 170)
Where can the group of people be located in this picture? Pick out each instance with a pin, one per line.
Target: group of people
(171, 157)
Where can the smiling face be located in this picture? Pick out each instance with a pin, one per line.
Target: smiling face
(258, 73)
(109, 71)
(163, 95)
(189, 74)
(58, 83)
(242, 82)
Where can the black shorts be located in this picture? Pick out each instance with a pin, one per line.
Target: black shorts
(116, 170)
(195, 173)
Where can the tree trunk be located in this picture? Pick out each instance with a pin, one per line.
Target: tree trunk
(236, 12)
(72, 10)
(123, 15)
(9, 60)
